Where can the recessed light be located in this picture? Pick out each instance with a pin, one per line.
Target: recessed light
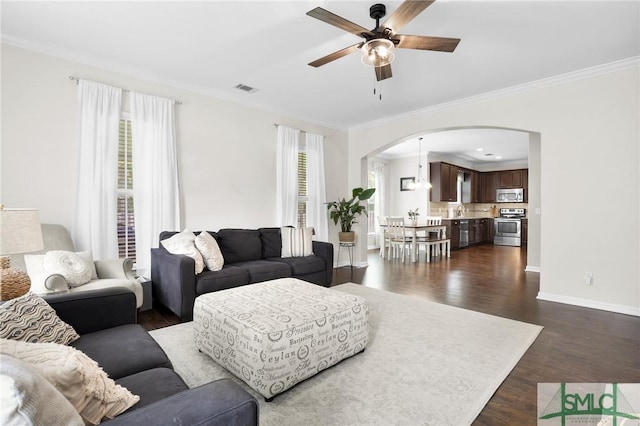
(479, 149)
(499, 157)
(488, 155)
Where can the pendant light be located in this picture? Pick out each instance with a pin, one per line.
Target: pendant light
(421, 182)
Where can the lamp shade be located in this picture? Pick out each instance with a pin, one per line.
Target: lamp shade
(378, 52)
(20, 231)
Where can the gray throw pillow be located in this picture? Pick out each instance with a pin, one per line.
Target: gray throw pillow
(27, 398)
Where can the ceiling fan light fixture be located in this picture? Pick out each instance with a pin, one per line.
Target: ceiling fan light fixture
(378, 52)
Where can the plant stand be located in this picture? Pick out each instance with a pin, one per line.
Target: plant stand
(349, 246)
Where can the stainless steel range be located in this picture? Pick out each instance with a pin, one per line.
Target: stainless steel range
(507, 229)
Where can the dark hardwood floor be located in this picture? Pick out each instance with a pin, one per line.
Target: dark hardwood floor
(576, 345)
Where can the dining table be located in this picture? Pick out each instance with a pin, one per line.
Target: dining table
(413, 230)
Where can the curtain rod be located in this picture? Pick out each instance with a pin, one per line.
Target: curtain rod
(77, 80)
(301, 131)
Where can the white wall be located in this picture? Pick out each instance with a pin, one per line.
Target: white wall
(226, 150)
(400, 202)
(589, 130)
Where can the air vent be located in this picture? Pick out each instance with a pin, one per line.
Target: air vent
(246, 88)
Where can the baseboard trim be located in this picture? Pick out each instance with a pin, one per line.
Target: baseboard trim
(532, 269)
(586, 303)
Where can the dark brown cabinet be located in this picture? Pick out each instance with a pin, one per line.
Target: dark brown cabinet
(511, 178)
(480, 231)
(453, 232)
(488, 187)
(490, 230)
(476, 187)
(524, 232)
(444, 182)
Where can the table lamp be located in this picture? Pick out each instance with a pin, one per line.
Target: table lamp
(20, 232)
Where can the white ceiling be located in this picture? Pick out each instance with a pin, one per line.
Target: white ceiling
(210, 47)
(479, 148)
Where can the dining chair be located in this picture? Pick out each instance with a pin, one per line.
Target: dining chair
(435, 244)
(383, 235)
(398, 239)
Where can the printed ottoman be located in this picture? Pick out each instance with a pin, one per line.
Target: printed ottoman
(275, 334)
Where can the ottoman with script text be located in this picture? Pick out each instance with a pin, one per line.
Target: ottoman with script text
(275, 334)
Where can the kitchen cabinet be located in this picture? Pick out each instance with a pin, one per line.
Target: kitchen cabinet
(524, 232)
(488, 187)
(525, 184)
(511, 179)
(484, 223)
(453, 232)
(490, 231)
(471, 187)
(478, 231)
(444, 182)
(475, 235)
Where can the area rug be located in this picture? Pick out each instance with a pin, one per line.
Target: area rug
(426, 363)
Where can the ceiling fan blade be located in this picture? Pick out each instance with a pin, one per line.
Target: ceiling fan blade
(338, 21)
(382, 73)
(440, 44)
(405, 13)
(335, 55)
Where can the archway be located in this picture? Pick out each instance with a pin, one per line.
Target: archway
(533, 141)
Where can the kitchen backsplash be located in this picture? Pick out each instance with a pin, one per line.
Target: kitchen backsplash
(473, 209)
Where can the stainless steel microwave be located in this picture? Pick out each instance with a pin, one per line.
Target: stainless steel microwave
(512, 195)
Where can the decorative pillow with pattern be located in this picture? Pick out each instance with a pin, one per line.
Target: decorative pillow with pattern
(208, 247)
(296, 242)
(184, 243)
(75, 269)
(79, 378)
(29, 318)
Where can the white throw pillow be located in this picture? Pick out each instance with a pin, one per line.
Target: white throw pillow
(28, 398)
(75, 268)
(79, 378)
(296, 242)
(184, 243)
(29, 318)
(208, 247)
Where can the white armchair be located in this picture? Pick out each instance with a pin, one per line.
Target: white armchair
(109, 273)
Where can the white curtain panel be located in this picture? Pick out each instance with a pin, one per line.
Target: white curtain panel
(95, 226)
(156, 197)
(287, 176)
(379, 198)
(379, 195)
(317, 196)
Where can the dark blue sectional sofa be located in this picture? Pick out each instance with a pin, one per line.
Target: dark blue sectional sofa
(250, 256)
(106, 321)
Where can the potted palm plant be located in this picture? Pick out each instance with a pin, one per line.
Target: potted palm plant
(345, 212)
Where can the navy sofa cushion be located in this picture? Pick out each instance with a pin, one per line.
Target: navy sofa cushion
(302, 265)
(227, 277)
(240, 245)
(118, 350)
(152, 385)
(271, 242)
(263, 270)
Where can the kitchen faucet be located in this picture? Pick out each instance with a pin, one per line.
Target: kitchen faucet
(459, 210)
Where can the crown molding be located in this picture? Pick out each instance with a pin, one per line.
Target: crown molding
(150, 77)
(242, 100)
(510, 91)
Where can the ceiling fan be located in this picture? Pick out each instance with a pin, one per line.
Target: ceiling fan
(379, 43)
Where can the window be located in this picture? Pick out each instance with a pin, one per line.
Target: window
(302, 189)
(126, 225)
